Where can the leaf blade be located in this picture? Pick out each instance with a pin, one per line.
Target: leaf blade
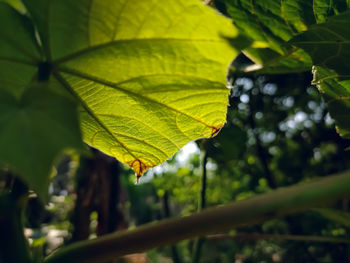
(158, 64)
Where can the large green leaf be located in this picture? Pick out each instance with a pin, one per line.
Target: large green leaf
(149, 75)
(37, 120)
(329, 46)
(271, 24)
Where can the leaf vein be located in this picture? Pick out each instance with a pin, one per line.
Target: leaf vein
(144, 124)
(138, 95)
(61, 80)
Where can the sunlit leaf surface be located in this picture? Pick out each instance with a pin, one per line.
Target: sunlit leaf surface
(147, 76)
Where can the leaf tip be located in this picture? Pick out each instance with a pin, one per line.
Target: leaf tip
(139, 167)
(215, 129)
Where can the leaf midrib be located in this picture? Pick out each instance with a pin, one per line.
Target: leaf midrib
(120, 41)
(19, 61)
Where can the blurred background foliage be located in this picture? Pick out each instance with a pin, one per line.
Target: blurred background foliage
(278, 133)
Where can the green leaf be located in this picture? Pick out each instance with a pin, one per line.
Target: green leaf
(149, 76)
(329, 46)
(21, 46)
(327, 8)
(335, 88)
(270, 24)
(33, 130)
(37, 120)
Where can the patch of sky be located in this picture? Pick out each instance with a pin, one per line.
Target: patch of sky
(269, 89)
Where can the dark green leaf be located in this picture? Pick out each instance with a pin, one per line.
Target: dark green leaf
(328, 44)
(33, 130)
(37, 120)
(270, 24)
(336, 91)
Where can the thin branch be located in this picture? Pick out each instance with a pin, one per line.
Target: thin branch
(255, 210)
(197, 247)
(202, 200)
(174, 250)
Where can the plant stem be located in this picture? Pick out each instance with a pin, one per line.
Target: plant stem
(277, 203)
(174, 251)
(202, 200)
(197, 246)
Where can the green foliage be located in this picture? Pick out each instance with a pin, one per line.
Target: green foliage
(139, 79)
(328, 45)
(271, 24)
(37, 120)
(279, 47)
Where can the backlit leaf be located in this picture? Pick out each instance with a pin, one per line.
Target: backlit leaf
(149, 75)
